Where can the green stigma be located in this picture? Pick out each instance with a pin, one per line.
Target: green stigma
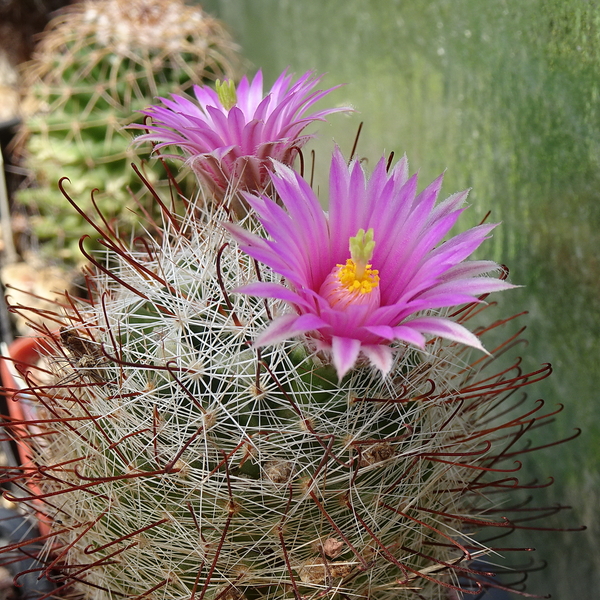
(226, 93)
(361, 249)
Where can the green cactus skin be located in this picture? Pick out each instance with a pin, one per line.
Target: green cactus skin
(176, 461)
(99, 62)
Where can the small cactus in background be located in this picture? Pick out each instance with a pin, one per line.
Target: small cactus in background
(280, 402)
(99, 62)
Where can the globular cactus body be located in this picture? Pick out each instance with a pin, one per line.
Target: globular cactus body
(280, 402)
(99, 62)
(180, 462)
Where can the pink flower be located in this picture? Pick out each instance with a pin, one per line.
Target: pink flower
(230, 136)
(370, 271)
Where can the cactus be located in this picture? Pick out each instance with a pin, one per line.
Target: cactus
(99, 62)
(280, 402)
(172, 458)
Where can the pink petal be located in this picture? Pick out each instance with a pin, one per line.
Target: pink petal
(446, 329)
(400, 332)
(273, 290)
(449, 205)
(380, 356)
(288, 326)
(339, 184)
(474, 286)
(345, 352)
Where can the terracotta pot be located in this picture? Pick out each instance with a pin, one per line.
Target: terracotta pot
(23, 354)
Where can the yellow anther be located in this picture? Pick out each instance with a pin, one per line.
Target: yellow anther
(362, 283)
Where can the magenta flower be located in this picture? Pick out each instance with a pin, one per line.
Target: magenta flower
(230, 136)
(371, 270)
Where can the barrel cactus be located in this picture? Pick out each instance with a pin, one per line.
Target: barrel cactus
(278, 401)
(98, 63)
(180, 452)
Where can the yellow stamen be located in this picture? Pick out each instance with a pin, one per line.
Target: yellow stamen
(226, 92)
(358, 278)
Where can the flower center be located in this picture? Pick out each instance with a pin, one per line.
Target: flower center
(226, 93)
(357, 278)
(357, 275)
(355, 282)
